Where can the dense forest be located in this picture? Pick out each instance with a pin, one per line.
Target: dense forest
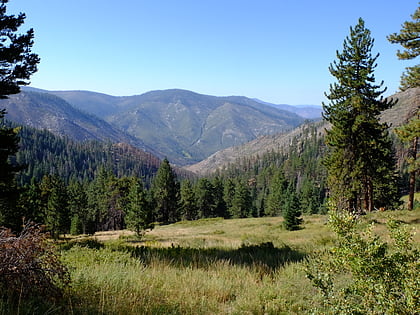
(74, 187)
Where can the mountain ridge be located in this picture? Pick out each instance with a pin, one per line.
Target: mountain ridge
(407, 103)
(182, 125)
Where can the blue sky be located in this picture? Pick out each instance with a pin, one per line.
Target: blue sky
(275, 50)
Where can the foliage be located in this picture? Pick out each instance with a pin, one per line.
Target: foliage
(360, 157)
(30, 266)
(409, 134)
(381, 278)
(139, 213)
(188, 206)
(292, 213)
(165, 190)
(18, 63)
(408, 38)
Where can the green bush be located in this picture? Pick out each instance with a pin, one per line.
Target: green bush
(365, 274)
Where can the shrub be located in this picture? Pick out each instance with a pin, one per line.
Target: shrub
(29, 265)
(364, 274)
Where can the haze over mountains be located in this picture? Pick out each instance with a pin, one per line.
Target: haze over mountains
(408, 102)
(184, 126)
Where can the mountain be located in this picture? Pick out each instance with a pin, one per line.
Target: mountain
(407, 104)
(46, 111)
(305, 111)
(184, 126)
(188, 126)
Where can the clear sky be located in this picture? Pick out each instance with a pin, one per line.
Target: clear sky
(275, 50)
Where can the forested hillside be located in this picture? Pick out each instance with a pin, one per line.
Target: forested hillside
(399, 114)
(182, 125)
(43, 153)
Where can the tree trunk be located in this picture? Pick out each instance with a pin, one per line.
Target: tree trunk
(412, 181)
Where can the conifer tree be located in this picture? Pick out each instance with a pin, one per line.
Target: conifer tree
(242, 202)
(139, 214)
(292, 212)
(205, 198)
(409, 39)
(409, 134)
(81, 218)
(360, 156)
(17, 64)
(165, 191)
(55, 203)
(188, 206)
(276, 196)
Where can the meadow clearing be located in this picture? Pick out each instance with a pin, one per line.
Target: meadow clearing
(209, 266)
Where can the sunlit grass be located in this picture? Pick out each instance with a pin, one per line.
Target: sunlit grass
(212, 266)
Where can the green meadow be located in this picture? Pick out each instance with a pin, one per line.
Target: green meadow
(209, 266)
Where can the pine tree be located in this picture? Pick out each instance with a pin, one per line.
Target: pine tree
(205, 198)
(409, 134)
(55, 202)
(165, 191)
(188, 206)
(17, 64)
(139, 214)
(220, 209)
(292, 212)
(360, 155)
(242, 202)
(409, 39)
(276, 196)
(81, 218)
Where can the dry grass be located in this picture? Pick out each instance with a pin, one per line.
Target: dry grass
(210, 266)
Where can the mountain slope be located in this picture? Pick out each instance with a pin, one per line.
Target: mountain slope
(408, 102)
(305, 111)
(46, 111)
(188, 126)
(184, 126)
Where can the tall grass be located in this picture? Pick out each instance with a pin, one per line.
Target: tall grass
(115, 282)
(213, 266)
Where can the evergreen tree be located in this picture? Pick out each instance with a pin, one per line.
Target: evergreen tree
(205, 198)
(17, 64)
(81, 219)
(409, 39)
(242, 202)
(409, 134)
(228, 194)
(98, 199)
(55, 202)
(188, 207)
(292, 212)
(276, 196)
(220, 209)
(165, 191)
(360, 154)
(139, 214)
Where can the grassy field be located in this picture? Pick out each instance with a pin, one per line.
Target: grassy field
(212, 266)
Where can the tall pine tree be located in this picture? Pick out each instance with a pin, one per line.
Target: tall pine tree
(360, 157)
(165, 190)
(409, 39)
(139, 214)
(17, 64)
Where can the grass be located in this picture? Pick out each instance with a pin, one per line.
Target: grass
(211, 266)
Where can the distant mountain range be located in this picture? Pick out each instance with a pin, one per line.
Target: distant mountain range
(305, 111)
(408, 102)
(181, 125)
